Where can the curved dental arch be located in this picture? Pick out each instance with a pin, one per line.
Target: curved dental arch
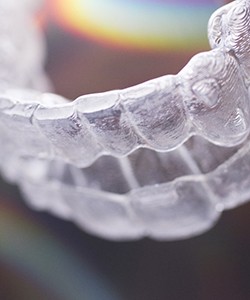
(90, 161)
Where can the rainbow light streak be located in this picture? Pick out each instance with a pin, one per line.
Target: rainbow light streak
(29, 248)
(137, 24)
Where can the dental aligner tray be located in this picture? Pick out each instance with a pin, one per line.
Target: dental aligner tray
(161, 159)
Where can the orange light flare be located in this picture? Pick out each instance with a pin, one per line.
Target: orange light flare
(139, 25)
(143, 38)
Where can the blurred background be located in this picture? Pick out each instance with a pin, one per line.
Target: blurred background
(94, 46)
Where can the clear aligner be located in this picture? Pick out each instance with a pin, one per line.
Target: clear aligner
(160, 159)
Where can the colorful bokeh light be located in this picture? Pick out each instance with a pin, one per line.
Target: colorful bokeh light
(29, 250)
(137, 24)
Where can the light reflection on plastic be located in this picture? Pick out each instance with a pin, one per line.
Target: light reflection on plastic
(137, 24)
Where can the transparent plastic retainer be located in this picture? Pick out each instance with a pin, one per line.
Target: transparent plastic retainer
(161, 159)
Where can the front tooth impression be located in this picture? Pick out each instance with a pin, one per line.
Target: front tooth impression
(15, 123)
(216, 97)
(68, 133)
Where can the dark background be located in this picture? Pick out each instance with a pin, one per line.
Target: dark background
(42, 257)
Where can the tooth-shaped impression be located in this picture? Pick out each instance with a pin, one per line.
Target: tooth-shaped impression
(107, 122)
(157, 113)
(35, 182)
(216, 97)
(175, 210)
(236, 28)
(68, 133)
(75, 158)
(229, 30)
(207, 91)
(106, 215)
(230, 181)
(15, 122)
(216, 34)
